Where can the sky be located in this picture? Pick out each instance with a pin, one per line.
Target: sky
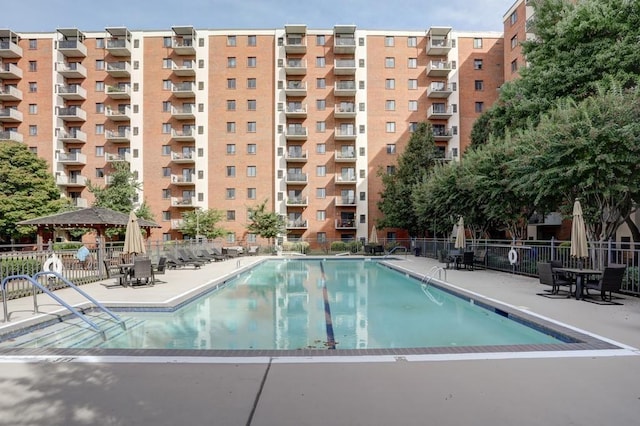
(93, 15)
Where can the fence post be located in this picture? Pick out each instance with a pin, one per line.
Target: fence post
(609, 251)
(553, 248)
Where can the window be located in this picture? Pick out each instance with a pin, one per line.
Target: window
(99, 108)
(33, 87)
(477, 64)
(251, 193)
(230, 193)
(166, 215)
(388, 41)
(389, 62)
(231, 83)
(231, 40)
(167, 63)
(252, 148)
(391, 148)
(231, 127)
(100, 64)
(33, 108)
(514, 65)
(251, 127)
(412, 83)
(100, 151)
(99, 129)
(251, 40)
(412, 42)
(320, 62)
(413, 126)
(391, 170)
(479, 85)
(251, 62)
(321, 237)
(231, 171)
(167, 85)
(321, 215)
(321, 148)
(231, 105)
(251, 83)
(412, 63)
(33, 130)
(413, 105)
(166, 42)
(166, 128)
(320, 40)
(321, 193)
(390, 127)
(321, 83)
(231, 149)
(166, 194)
(390, 105)
(99, 172)
(514, 17)
(390, 83)
(99, 86)
(33, 66)
(321, 104)
(33, 43)
(514, 41)
(363, 196)
(251, 105)
(166, 172)
(321, 126)
(231, 62)
(479, 106)
(477, 43)
(231, 215)
(321, 171)
(166, 150)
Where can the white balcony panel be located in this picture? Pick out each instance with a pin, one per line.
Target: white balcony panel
(10, 135)
(72, 158)
(72, 48)
(119, 92)
(71, 69)
(10, 115)
(10, 71)
(120, 114)
(73, 92)
(10, 94)
(119, 69)
(72, 114)
(74, 136)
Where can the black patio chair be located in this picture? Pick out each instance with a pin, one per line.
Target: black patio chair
(609, 282)
(547, 276)
(142, 271)
(468, 258)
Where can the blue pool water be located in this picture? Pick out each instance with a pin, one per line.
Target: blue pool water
(318, 304)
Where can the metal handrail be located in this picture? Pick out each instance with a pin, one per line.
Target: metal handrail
(394, 249)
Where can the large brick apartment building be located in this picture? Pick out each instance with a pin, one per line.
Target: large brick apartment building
(225, 119)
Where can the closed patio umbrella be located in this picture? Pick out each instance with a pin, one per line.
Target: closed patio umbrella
(579, 247)
(133, 241)
(373, 238)
(460, 237)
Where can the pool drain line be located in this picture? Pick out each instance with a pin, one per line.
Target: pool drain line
(331, 341)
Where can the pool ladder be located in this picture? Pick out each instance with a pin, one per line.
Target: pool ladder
(424, 282)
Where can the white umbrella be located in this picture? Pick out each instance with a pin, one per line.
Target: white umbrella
(460, 237)
(579, 247)
(133, 241)
(373, 238)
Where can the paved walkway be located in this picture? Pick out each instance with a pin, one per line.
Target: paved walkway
(595, 390)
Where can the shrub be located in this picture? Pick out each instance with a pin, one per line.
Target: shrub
(296, 246)
(19, 266)
(69, 245)
(338, 246)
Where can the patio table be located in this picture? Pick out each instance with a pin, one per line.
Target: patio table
(580, 275)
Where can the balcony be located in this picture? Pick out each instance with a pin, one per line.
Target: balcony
(10, 94)
(183, 46)
(345, 110)
(10, 135)
(439, 90)
(439, 68)
(177, 224)
(296, 133)
(117, 158)
(342, 44)
(439, 46)
(183, 113)
(72, 48)
(180, 180)
(296, 156)
(120, 44)
(72, 92)
(9, 45)
(345, 134)
(120, 114)
(10, 115)
(297, 201)
(442, 134)
(347, 156)
(439, 112)
(71, 181)
(344, 67)
(184, 70)
(296, 88)
(345, 88)
(82, 203)
(183, 157)
(295, 67)
(295, 44)
(181, 202)
(186, 89)
(71, 69)
(184, 135)
(119, 69)
(296, 111)
(72, 114)
(296, 178)
(72, 158)
(10, 72)
(297, 224)
(345, 178)
(72, 136)
(346, 224)
(345, 201)
(119, 92)
(118, 136)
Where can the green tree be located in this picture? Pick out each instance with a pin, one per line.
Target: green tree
(27, 190)
(203, 223)
(119, 194)
(264, 223)
(414, 163)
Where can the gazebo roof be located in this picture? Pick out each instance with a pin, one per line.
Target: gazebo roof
(92, 217)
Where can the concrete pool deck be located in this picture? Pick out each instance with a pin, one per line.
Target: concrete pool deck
(581, 390)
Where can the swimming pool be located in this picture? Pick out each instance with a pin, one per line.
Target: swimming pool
(313, 306)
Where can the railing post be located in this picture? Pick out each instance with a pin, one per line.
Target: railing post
(609, 251)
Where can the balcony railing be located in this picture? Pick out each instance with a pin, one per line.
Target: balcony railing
(296, 133)
(72, 48)
(72, 92)
(297, 224)
(185, 89)
(187, 134)
(77, 180)
(10, 135)
(296, 178)
(177, 223)
(10, 71)
(439, 90)
(74, 136)
(183, 157)
(346, 224)
(181, 202)
(9, 49)
(74, 158)
(295, 67)
(119, 92)
(349, 155)
(73, 113)
(10, 115)
(345, 201)
(183, 180)
(296, 155)
(119, 69)
(439, 68)
(118, 135)
(345, 133)
(442, 133)
(439, 46)
(10, 94)
(439, 111)
(71, 69)
(346, 178)
(120, 114)
(119, 46)
(116, 158)
(297, 201)
(344, 66)
(345, 88)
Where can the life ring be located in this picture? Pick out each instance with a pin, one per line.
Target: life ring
(53, 264)
(513, 256)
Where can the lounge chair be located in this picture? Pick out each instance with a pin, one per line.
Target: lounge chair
(610, 281)
(199, 257)
(187, 257)
(218, 255)
(548, 277)
(230, 252)
(161, 266)
(253, 250)
(176, 262)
